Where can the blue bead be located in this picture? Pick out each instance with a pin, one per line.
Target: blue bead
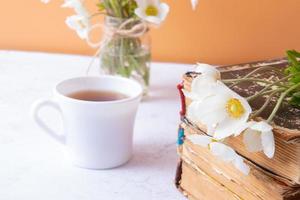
(180, 136)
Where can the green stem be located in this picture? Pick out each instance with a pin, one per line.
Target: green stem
(264, 68)
(124, 10)
(280, 100)
(257, 70)
(265, 104)
(246, 79)
(121, 52)
(114, 7)
(107, 7)
(269, 86)
(273, 90)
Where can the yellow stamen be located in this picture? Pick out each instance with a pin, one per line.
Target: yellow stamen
(151, 11)
(234, 108)
(212, 140)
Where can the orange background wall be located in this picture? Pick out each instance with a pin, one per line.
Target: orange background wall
(218, 32)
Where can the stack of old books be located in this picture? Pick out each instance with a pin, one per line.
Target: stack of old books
(200, 175)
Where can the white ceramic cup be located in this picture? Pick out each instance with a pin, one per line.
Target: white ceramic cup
(97, 134)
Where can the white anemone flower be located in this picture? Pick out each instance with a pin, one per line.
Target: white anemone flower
(77, 5)
(259, 137)
(80, 24)
(194, 4)
(152, 11)
(203, 85)
(220, 150)
(224, 113)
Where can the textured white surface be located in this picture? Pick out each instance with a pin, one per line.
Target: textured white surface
(33, 166)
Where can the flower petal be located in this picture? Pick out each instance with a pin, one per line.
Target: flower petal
(227, 154)
(252, 140)
(268, 143)
(78, 6)
(223, 151)
(154, 2)
(192, 95)
(192, 111)
(140, 12)
(242, 128)
(71, 3)
(261, 126)
(163, 11)
(79, 24)
(210, 111)
(229, 127)
(201, 140)
(208, 70)
(202, 80)
(240, 165)
(141, 3)
(211, 130)
(153, 19)
(202, 87)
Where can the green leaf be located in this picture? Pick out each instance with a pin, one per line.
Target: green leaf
(294, 66)
(132, 5)
(295, 79)
(124, 2)
(101, 6)
(292, 56)
(295, 53)
(295, 100)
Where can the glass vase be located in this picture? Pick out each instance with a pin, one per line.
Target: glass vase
(126, 50)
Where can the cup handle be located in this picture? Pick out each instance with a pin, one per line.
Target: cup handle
(35, 115)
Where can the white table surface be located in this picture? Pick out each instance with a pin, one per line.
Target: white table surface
(34, 167)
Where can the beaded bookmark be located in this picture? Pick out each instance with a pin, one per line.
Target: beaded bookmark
(182, 98)
(180, 136)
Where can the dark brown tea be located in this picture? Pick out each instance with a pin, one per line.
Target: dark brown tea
(97, 95)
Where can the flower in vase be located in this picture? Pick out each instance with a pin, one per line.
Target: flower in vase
(152, 11)
(77, 5)
(220, 150)
(79, 22)
(223, 112)
(258, 137)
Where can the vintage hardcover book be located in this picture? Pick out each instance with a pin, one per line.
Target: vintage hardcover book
(286, 162)
(276, 178)
(204, 175)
